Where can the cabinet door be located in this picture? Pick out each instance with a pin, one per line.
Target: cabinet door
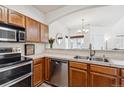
(102, 80)
(16, 18)
(77, 77)
(47, 69)
(38, 71)
(44, 33)
(3, 14)
(37, 74)
(122, 82)
(33, 30)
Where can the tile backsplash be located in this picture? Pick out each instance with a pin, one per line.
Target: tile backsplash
(39, 48)
(99, 53)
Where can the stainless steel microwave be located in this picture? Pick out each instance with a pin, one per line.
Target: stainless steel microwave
(12, 35)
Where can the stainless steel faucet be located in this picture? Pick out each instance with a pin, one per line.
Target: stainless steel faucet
(92, 52)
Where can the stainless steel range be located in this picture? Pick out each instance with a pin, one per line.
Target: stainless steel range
(15, 70)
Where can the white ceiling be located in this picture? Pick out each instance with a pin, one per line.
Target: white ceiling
(100, 16)
(48, 8)
(93, 15)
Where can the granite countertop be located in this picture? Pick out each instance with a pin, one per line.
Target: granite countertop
(119, 63)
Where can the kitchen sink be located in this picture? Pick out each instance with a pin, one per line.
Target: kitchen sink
(100, 59)
(81, 57)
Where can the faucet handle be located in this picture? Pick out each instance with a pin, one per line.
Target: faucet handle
(94, 52)
(90, 46)
(104, 56)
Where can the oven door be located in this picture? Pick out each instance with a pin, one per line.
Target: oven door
(7, 34)
(16, 74)
(24, 81)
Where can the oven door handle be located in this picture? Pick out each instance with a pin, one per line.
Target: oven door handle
(14, 66)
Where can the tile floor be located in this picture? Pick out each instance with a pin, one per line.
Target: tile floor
(45, 85)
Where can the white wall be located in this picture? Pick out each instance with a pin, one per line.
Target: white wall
(97, 36)
(57, 27)
(118, 29)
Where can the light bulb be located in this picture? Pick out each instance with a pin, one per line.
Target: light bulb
(84, 30)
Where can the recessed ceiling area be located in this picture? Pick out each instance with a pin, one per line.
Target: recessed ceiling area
(48, 8)
(100, 16)
(71, 16)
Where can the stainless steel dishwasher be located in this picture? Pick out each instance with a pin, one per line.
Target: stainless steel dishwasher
(59, 72)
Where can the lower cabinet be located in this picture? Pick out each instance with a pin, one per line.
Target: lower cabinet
(77, 74)
(78, 78)
(41, 71)
(122, 82)
(82, 75)
(47, 69)
(38, 72)
(102, 80)
(122, 77)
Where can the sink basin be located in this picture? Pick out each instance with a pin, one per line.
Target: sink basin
(81, 57)
(100, 59)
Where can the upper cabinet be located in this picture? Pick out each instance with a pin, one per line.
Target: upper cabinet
(3, 14)
(33, 30)
(16, 18)
(44, 33)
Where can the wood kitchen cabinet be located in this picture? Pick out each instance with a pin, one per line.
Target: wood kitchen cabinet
(102, 80)
(82, 74)
(78, 78)
(122, 73)
(101, 76)
(16, 18)
(3, 14)
(77, 74)
(33, 30)
(122, 77)
(47, 69)
(38, 71)
(44, 33)
(122, 82)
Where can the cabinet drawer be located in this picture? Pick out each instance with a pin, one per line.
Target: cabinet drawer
(122, 73)
(37, 61)
(78, 65)
(103, 69)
